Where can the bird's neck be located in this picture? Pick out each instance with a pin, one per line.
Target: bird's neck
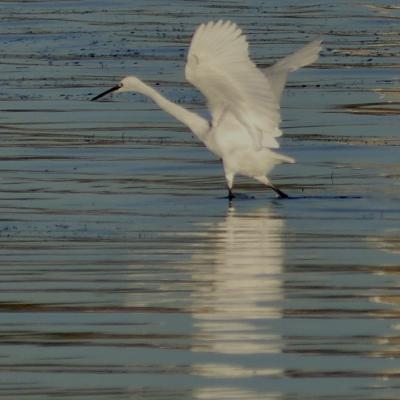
(197, 124)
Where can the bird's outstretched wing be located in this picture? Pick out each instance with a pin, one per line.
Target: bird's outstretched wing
(277, 73)
(219, 66)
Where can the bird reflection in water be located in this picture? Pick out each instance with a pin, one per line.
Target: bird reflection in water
(389, 242)
(238, 296)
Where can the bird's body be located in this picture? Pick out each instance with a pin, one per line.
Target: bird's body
(232, 143)
(243, 100)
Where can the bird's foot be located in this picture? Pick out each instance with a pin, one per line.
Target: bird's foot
(230, 196)
(281, 195)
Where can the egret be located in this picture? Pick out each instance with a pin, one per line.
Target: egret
(243, 100)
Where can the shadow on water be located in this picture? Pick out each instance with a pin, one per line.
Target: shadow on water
(327, 197)
(239, 197)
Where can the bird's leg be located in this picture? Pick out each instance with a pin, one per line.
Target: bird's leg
(229, 180)
(282, 195)
(266, 182)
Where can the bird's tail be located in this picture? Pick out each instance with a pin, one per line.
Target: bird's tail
(281, 158)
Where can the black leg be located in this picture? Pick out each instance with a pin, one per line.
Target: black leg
(281, 194)
(231, 196)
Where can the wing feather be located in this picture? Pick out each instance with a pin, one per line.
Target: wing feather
(277, 73)
(220, 67)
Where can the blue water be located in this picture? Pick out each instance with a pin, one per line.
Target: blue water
(125, 274)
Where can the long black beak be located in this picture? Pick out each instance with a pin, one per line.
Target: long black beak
(113, 89)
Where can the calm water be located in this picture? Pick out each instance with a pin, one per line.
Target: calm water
(124, 274)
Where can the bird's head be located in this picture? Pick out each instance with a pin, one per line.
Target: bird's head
(128, 84)
(131, 84)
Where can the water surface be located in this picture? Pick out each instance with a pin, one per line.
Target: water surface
(124, 273)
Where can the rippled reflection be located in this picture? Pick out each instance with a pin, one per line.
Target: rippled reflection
(390, 243)
(233, 393)
(243, 269)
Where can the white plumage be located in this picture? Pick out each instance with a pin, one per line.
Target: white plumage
(243, 100)
(219, 66)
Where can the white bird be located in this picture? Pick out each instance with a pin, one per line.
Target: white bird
(243, 100)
